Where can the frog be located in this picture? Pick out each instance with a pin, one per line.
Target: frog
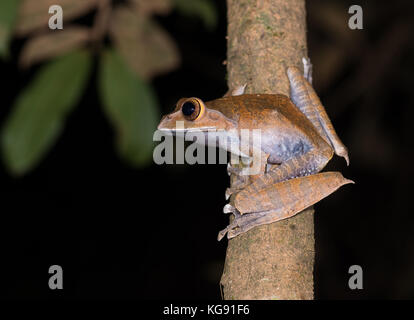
(297, 140)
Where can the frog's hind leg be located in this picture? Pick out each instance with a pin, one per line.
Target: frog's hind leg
(281, 201)
(305, 164)
(306, 99)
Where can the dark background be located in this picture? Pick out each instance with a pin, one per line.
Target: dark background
(120, 232)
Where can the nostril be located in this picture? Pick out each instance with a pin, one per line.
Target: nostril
(164, 121)
(166, 117)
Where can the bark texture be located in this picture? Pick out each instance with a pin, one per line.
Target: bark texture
(272, 261)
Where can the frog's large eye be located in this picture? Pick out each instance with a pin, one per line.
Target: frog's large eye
(192, 109)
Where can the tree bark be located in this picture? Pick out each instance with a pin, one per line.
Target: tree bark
(273, 261)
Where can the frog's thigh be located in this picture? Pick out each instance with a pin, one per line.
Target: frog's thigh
(302, 165)
(305, 98)
(286, 194)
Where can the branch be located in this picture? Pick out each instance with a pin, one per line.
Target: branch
(273, 261)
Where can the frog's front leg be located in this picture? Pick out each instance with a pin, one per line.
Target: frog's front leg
(280, 201)
(237, 181)
(258, 165)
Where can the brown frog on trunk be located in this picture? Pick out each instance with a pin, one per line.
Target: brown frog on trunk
(297, 139)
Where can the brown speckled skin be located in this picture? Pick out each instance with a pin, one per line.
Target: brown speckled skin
(277, 117)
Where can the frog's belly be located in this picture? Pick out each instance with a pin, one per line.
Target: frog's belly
(284, 149)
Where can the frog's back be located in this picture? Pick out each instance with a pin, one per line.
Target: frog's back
(234, 106)
(258, 107)
(281, 122)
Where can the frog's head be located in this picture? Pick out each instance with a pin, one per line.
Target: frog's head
(195, 116)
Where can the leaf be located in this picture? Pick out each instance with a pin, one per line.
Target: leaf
(53, 44)
(201, 8)
(8, 13)
(147, 7)
(37, 118)
(34, 14)
(144, 45)
(131, 106)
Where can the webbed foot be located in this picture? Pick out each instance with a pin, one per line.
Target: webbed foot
(241, 224)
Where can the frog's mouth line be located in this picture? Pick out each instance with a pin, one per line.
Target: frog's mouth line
(186, 130)
(234, 148)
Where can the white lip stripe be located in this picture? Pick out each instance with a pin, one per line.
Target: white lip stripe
(189, 129)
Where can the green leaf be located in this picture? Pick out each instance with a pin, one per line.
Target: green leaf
(131, 106)
(8, 14)
(202, 8)
(37, 118)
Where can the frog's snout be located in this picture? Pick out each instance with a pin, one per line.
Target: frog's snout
(164, 121)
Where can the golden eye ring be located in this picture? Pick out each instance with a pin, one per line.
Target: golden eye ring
(192, 109)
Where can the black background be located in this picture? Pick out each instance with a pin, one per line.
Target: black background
(120, 232)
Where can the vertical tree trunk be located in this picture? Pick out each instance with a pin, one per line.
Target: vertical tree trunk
(272, 261)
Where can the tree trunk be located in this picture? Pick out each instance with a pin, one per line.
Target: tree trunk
(273, 261)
